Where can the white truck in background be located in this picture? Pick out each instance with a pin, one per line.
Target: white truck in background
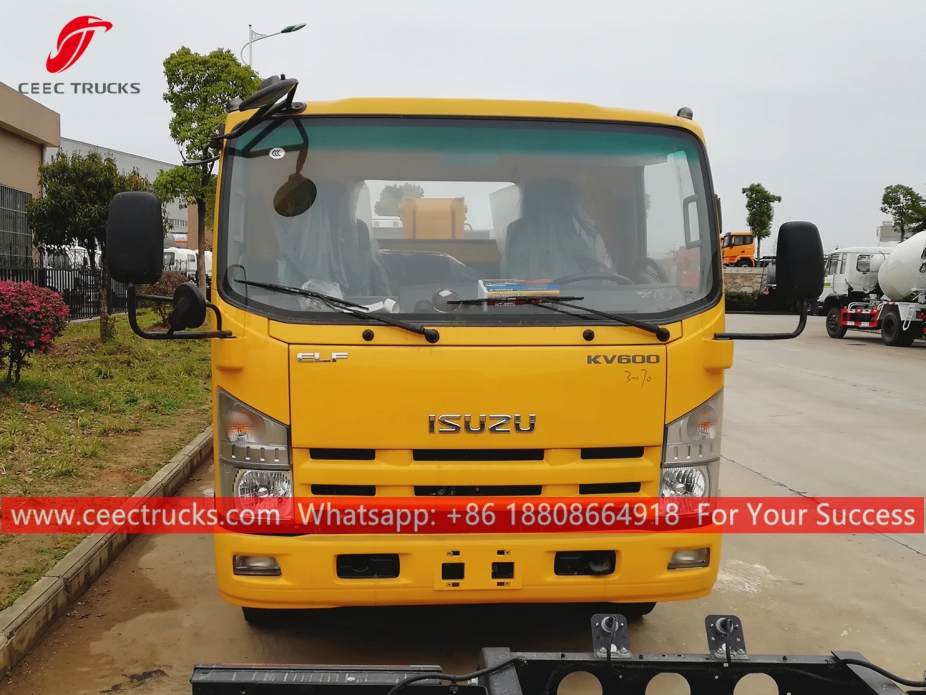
(885, 291)
(181, 261)
(851, 274)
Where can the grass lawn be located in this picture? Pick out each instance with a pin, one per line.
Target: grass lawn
(93, 419)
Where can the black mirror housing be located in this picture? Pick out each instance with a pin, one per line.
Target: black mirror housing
(135, 238)
(799, 275)
(189, 308)
(799, 263)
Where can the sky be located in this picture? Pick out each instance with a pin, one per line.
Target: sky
(822, 102)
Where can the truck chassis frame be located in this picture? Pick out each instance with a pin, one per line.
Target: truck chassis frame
(618, 670)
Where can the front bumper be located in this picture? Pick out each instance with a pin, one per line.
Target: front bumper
(309, 576)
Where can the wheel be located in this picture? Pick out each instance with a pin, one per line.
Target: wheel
(579, 277)
(833, 329)
(634, 611)
(263, 617)
(892, 332)
(743, 262)
(656, 270)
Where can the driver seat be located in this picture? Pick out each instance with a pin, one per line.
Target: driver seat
(554, 236)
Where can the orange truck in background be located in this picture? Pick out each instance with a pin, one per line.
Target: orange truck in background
(739, 248)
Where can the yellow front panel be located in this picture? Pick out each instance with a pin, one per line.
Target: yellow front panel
(379, 397)
(382, 397)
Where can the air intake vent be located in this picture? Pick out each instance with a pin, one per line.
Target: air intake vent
(607, 488)
(343, 454)
(346, 490)
(613, 452)
(478, 454)
(478, 490)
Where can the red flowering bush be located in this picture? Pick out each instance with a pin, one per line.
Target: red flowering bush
(30, 319)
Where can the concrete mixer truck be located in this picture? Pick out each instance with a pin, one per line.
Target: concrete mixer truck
(896, 305)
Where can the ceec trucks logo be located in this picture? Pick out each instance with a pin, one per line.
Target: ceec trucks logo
(73, 41)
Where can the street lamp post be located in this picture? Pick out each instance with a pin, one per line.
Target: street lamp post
(257, 36)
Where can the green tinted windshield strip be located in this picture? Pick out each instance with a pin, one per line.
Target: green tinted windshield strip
(564, 138)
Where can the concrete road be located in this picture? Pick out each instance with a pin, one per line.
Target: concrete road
(814, 416)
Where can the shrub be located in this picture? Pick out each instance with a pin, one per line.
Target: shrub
(737, 300)
(164, 287)
(30, 319)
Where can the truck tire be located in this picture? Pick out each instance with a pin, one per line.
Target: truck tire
(833, 329)
(743, 262)
(892, 332)
(263, 617)
(633, 611)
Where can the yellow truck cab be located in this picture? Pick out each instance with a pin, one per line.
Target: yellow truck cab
(546, 323)
(739, 249)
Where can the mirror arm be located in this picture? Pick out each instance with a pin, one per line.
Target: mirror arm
(169, 334)
(198, 162)
(769, 336)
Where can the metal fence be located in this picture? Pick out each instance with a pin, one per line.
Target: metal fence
(15, 237)
(77, 288)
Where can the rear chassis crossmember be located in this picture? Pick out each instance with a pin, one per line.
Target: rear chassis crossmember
(540, 673)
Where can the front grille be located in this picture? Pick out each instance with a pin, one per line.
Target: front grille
(478, 490)
(608, 488)
(343, 454)
(478, 454)
(612, 452)
(348, 490)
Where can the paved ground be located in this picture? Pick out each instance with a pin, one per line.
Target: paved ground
(813, 415)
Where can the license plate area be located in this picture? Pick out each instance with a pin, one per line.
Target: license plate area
(478, 569)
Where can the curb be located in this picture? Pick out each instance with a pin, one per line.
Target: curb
(24, 623)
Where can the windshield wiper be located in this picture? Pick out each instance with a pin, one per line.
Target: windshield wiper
(352, 308)
(543, 301)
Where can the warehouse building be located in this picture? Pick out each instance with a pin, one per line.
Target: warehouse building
(27, 131)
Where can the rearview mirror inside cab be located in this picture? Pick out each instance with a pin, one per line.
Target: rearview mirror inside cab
(135, 238)
(799, 261)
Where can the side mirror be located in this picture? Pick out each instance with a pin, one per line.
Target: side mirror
(800, 261)
(271, 91)
(799, 274)
(135, 238)
(189, 308)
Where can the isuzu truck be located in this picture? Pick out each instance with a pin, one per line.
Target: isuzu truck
(564, 354)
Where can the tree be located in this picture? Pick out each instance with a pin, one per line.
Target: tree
(906, 207)
(391, 197)
(74, 207)
(759, 212)
(199, 88)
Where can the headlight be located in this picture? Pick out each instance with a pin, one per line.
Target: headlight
(254, 452)
(691, 453)
(263, 483)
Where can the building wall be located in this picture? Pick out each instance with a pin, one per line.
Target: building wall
(126, 161)
(192, 239)
(26, 129)
(19, 162)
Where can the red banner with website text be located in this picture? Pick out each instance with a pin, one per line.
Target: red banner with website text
(454, 515)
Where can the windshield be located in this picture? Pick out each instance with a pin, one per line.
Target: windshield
(403, 214)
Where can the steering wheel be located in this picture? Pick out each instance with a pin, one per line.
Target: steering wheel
(579, 277)
(656, 270)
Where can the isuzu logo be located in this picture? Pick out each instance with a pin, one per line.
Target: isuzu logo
(477, 424)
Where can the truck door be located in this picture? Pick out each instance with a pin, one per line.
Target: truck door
(840, 286)
(832, 262)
